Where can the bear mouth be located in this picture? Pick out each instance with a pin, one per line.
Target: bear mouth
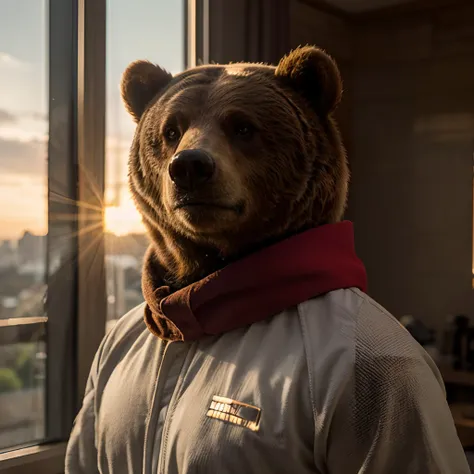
(187, 203)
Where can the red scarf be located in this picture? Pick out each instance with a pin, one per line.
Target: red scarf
(256, 287)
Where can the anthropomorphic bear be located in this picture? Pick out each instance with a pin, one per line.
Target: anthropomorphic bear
(257, 349)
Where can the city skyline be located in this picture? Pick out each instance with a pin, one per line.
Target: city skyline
(146, 29)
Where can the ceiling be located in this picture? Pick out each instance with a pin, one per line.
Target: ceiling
(359, 6)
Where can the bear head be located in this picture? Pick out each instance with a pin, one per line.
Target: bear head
(229, 158)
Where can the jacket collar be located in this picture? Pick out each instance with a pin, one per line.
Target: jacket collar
(256, 287)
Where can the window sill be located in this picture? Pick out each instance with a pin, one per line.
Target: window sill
(47, 459)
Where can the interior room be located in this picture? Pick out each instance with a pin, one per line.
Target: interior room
(72, 242)
(408, 123)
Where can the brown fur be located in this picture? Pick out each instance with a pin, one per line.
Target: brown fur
(289, 175)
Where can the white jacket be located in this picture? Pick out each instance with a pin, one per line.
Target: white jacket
(334, 385)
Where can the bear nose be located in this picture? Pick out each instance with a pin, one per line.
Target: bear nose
(191, 168)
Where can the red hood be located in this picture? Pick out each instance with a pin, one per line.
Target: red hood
(256, 287)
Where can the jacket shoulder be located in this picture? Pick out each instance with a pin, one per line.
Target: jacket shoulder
(355, 319)
(380, 336)
(349, 337)
(124, 333)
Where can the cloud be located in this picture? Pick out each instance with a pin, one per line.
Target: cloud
(9, 61)
(23, 157)
(22, 134)
(29, 115)
(6, 117)
(38, 116)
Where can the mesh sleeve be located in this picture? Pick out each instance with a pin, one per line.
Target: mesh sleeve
(392, 416)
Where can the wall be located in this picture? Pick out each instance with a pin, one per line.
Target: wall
(310, 25)
(248, 30)
(412, 161)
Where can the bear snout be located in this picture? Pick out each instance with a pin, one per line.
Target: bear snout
(190, 169)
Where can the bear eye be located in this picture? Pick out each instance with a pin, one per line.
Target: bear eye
(244, 130)
(171, 134)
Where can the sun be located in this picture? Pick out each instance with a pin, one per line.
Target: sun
(123, 219)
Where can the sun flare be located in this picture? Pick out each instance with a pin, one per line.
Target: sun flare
(123, 219)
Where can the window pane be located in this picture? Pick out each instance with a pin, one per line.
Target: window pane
(153, 30)
(22, 384)
(23, 217)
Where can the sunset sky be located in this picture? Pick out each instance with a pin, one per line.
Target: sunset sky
(142, 29)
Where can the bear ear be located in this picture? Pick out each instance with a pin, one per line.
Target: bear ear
(315, 75)
(140, 83)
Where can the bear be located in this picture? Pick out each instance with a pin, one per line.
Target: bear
(273, 163)
(257, 348)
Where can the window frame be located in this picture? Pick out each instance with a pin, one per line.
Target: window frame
(90, 141)
(76, 303)
(62, 179)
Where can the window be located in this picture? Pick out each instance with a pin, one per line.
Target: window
(23, 221)
(153, 30)
(42, 351)
(56, 187)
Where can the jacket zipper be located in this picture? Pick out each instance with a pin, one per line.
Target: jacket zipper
(150, 430)
(164, 433)
(168, 357)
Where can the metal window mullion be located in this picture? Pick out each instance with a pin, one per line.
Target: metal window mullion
(190, 28)
(62, 233)
(205, 25)
(197, 32)
(91, 303)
